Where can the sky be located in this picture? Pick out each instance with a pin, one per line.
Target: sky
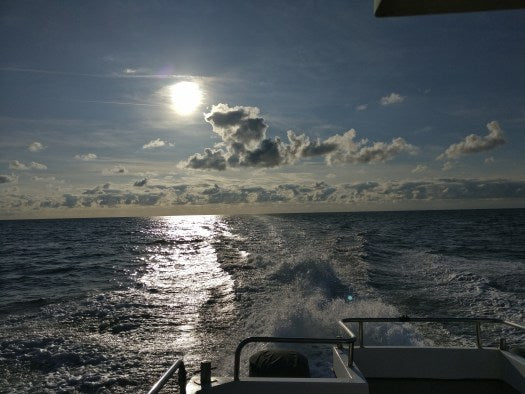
(286, 106)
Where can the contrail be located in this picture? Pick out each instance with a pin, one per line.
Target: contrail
(75, 74)
(113, 103)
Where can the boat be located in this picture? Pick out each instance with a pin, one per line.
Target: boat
(362, 369)
(359, 368)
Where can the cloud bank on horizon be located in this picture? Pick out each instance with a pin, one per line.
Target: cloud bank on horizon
(191, 195)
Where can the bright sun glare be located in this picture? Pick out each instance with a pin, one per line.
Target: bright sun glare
(185, 97)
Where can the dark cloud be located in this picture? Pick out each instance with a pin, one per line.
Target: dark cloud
(267, 154)
(95, 190)
(70, 201)
(237, 124)
(47, 203)
(212, 159)
(140, 183)
(474, 143)
(7, 178)
(244, 144)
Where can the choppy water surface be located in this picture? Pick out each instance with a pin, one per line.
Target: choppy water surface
(105, 305)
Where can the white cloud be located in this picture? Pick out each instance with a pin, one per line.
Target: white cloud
(37, 166)
(349, 151)
(86, 157)
(393, 98)
(36, 146)
(361, 107)
(48, 179)
(18, 165)
(419, 169)
(474, 143)
(244, 144)
(154, 144)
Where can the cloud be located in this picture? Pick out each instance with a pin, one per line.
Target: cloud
(209, 194)
(154, 144)
(115, 170)
(86, 157)
(98, 189)
(474, 143)
(35, 147)
(44, 179)
(140, 183)
(419, 169)
(423, 130)
(361, 107)
(349, 151)
(70, 200)
(244, 144)
(447, 166)
(18, 165)
(211, 159)
(393, 98)
(237, 124)
(8, 178)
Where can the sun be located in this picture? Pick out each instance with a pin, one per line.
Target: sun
(185, 97)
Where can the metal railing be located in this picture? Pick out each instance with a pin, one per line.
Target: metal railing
(477, 321)
(176, 366)
(332, 341)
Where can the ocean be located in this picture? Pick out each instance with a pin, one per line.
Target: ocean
(106, 305)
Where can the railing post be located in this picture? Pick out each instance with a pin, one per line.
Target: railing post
(351, 355)
(361, 334)
(183, 377)
(478, 334)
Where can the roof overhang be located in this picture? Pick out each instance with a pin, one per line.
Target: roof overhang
(426, 7)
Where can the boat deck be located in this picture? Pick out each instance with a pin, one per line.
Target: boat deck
(439, 386)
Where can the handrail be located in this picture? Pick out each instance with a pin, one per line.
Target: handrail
(338, 341)
(177, 365)
(405, 319)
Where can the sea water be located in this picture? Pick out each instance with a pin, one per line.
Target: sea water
(106, 305)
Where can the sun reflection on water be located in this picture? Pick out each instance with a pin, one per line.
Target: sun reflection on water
(184, 277)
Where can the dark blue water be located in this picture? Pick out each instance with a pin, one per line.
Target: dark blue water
(104, 305)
